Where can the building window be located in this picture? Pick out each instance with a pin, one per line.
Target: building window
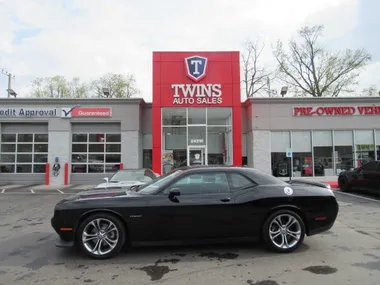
(174, 148)
(377, 133)
(343, 151)
(95, 152)
(24, 153)
(280, 141)
(364, 147)
(323, 153)
(302, 156)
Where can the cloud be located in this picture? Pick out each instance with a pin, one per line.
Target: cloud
(88, 38)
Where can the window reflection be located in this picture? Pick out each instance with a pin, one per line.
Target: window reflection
(219, 145)
(174, 147)
(196, 116)
(174, 116)
(219, 116)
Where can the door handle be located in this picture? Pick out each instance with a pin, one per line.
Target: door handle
(225, 199)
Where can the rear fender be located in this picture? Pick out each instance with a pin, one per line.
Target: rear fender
(286, 207)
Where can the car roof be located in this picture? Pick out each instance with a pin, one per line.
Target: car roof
(133, 169)
(211, 167)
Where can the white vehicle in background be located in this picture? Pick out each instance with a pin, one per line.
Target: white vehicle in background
(124, 179)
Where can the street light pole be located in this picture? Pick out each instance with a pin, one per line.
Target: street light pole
(10, 76)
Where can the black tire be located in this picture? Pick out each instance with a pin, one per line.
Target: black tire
(343, 184)
(104, 218)
(299, 224)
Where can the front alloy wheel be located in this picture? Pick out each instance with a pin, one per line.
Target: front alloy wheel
(101, 236)
(284, 231)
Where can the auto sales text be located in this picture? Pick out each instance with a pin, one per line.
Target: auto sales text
(197, 94)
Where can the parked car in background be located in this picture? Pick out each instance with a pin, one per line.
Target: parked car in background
(364, 178)
(126, 178)
(195, 204)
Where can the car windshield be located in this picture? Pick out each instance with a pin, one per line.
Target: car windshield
(152, 186)
(131, 175)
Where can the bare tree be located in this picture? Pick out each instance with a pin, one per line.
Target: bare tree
(371, 91)
(118, 85)
(256, 77)
(310, 70)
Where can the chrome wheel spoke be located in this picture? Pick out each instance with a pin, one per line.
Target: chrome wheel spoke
(95, 248)
(290, 222)
(286, 243)
(110, 228)
(88, 237)
(110, 242)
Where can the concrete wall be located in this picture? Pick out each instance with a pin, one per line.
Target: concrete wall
(59, 146)
(276, 114)
(261, 150)
(126, 113)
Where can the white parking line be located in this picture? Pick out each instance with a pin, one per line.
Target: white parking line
(3, 191)
(31, 190)
(357, 196)
(60, 191)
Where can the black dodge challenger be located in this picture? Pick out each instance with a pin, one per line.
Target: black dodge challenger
(196, 204)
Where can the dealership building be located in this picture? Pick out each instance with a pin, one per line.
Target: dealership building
(196, 117)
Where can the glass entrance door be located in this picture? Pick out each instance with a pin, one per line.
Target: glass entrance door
(196, 156)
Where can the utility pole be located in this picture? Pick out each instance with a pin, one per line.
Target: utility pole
(10, 76)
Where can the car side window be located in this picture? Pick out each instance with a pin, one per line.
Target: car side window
(202, 183)
(239, 181)
(370, 166)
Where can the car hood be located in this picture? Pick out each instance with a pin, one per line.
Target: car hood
(119, 184)
(98, 194)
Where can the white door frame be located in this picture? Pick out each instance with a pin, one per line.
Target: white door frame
(202, 148)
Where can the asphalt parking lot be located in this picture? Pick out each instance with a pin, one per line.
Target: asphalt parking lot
(347, 254)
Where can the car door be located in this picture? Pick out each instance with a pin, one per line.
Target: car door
(247, 212)
(377, 179)
(367, 176)
(203, 209)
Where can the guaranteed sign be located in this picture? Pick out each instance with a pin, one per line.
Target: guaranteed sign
(28, 112)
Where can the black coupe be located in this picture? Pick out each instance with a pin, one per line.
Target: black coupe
(365, 178)
(196, 204)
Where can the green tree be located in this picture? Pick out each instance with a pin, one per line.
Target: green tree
(116, 85)
(309, 69)
(58, 87)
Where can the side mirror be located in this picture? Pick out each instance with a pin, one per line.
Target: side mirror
(106, 179)
(174, 192)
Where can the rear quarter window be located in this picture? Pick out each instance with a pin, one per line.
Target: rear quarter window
(263, 178)
(239, 181)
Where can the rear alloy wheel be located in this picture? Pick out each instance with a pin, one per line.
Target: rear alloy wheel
(101, 236)
(284, 231)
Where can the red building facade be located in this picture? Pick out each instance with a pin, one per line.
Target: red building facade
(196, 109)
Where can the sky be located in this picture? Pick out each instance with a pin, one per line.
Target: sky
(88, 38)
